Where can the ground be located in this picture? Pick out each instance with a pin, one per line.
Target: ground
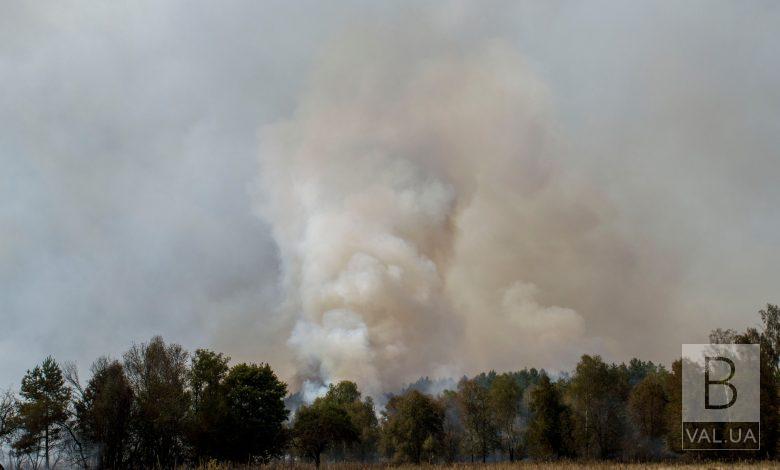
(531, 466)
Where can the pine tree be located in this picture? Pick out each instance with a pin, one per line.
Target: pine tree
(43, 409)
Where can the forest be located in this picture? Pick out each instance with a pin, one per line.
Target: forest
(162, 407)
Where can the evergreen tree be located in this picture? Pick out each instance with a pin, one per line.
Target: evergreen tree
(43, 410)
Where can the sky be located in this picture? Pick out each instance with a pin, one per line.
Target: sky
(546, 179)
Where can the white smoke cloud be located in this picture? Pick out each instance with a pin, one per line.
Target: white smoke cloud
(366, 189)
(520, 307)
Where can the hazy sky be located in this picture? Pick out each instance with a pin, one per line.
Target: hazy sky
(131, 151)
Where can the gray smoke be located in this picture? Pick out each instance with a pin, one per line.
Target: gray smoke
(443, 189)
(398, 193)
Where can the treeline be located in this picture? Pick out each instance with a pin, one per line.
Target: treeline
(162, 407)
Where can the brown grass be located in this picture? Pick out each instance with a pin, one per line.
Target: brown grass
(564, 465)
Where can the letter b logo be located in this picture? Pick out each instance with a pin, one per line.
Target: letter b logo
(721, 391)
(708, 382)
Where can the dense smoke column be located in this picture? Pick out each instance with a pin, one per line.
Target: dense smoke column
(366, 188)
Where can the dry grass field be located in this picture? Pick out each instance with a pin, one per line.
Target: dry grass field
(565, 465)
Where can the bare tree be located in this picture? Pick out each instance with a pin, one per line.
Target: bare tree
(74, 444)
(7, 420)
(157, 374)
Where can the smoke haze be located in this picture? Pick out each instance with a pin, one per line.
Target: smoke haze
(379, 193)
(390, 178)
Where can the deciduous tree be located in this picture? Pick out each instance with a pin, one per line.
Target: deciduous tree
(321, 425)
(413, 427)
(103, 413)
(256, 411)
(8, 418)
(647, 404)
(209, 431)
(506, 401)
(549, 433)
(346, 395)
(477, 415)
(158, 373)
(598, 393)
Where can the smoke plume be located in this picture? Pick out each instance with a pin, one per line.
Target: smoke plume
(395, 194)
